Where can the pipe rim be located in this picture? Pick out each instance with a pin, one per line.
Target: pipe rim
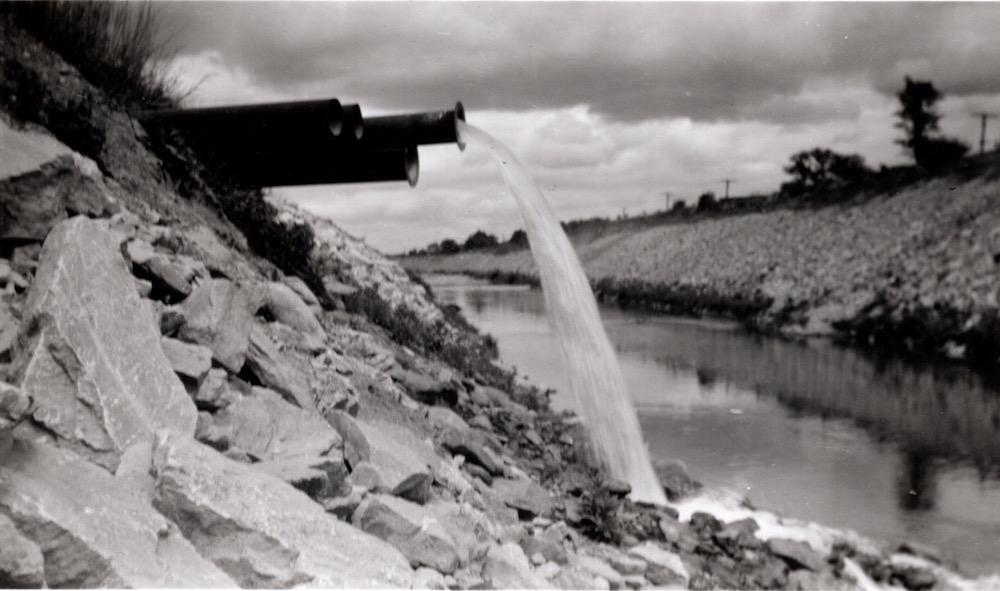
(412, 162)
(335, 117)
(459, 116)
(355, 122)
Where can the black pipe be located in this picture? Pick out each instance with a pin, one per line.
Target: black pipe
(401, 164)
(308, 142)
(300, 121)
(418, 129)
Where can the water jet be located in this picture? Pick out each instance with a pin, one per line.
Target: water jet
(597, 385)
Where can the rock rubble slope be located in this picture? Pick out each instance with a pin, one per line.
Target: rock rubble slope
(175, 411)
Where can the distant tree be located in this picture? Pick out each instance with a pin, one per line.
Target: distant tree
(707, 202)
(478, 240)
(678, 206)
(816, 171)
(449, 246)
(918, 118)
(519, 238)
(434, 248)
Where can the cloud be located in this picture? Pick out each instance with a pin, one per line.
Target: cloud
(609, 105)
(627, 61)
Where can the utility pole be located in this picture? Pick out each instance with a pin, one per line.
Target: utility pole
(982, 133)
(727, 181)
(667, 195)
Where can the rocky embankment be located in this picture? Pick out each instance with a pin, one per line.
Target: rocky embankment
(915, 270)
(175, 411)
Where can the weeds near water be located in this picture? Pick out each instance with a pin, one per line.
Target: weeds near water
(113, 44)
(463, 349)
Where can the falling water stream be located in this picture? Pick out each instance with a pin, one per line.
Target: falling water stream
(596, 383)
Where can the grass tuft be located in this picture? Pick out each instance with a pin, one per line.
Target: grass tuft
(114, 45)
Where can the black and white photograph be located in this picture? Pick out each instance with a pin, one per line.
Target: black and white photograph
(500, 294)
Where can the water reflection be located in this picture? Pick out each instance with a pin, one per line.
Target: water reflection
(812, 430)
(945, 411)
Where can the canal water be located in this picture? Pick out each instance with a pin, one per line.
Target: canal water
(811, 431)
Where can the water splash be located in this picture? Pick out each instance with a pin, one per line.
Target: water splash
(596, 382)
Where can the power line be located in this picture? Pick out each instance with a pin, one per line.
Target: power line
(982, 133)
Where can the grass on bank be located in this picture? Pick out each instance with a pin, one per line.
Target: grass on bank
(113, 44)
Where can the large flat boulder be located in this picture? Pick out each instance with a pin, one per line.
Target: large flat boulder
(291, 443)
(269, 428)
(398, 462)
(91, 531)
(218, 314)
(267, 362)
(92, 360)
(31, 204)
(283, 304)
(262, 531)
(412, 529)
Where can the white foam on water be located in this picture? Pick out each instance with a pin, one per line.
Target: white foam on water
(597, 386)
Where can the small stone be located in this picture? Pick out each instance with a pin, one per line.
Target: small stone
(445, 418)
(477, 471)
(218, 315)
(796, 554)
(675, 480)
(13, 405)
(635, 581)
(551, 544)
(524, 495)
(20, 560)
(599, 568)
(508, 568)
(473, 446)
(662, 566)
(704, 524)
(300, 288)
(280, 302)
(602, 584)
(425, 389)
(537, 559)
(549, 570)
(428, 578)
(626, 565)
(190, 362)
(143, 287)
(922, 550)
(212, 434)
(216, 392)
(617, 488)
(344, 507)
(915, 578)
(481, 422)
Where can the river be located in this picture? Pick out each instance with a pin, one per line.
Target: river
(812, 430)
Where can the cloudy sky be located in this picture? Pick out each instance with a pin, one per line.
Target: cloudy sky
(608, 104)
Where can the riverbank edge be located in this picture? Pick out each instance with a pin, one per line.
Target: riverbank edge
(939, 332)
